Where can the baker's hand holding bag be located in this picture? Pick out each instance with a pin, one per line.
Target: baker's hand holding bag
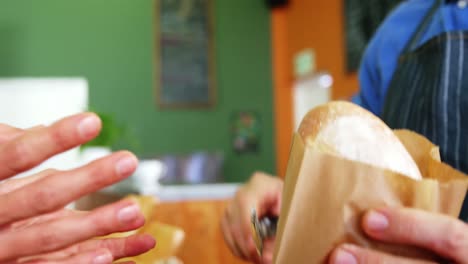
(350, 133)
(441, 234)
(446, 236)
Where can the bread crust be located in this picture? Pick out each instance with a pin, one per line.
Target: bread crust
(349, 131)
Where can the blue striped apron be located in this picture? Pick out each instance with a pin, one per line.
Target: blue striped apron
(429, 93)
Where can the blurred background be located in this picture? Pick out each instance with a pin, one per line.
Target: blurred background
(112, 45)
(204, 92)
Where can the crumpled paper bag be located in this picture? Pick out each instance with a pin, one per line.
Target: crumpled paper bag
(325, 196)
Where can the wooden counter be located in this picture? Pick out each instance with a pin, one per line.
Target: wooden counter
(197, 210)
(204, 243)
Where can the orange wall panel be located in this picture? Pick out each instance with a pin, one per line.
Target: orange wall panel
(282, 89)
(319, 24)
(316, 24)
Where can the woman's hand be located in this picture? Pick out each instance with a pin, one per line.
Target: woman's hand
(443, 235)
(34, 227)
(263, 192)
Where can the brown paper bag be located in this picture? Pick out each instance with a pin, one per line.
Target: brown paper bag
(325, 196)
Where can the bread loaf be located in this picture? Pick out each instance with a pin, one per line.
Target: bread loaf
(349, 131)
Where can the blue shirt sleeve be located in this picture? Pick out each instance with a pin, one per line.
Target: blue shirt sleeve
(369, 82)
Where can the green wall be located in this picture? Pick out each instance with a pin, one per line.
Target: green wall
(111, 44)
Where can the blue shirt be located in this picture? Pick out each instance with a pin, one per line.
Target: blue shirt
(380, 58)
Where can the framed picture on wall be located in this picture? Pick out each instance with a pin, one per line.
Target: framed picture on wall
(184, 54)
(362, 18)
(246, 132)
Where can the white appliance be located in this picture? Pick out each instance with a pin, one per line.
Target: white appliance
(27, 102)
(311, 87)
(309, 92)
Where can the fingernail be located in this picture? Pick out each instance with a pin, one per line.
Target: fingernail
(103, 258)
(376, 221)
(128, 214)
(88, 126)
(344, 257)
(125, 166)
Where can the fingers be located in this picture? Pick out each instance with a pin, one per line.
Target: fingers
(234, 238)
(118, 247)
(14, 184)
(237, 229)
(229, 239)
(7, 133)
(269, 191)
(263, 193)
(36, 145)
(446, 236)
(121, 247)
(64, 232)
(43, 219)
(100, 256)
(243, 243)
(350, 254)
(55, 191)
(268, 248)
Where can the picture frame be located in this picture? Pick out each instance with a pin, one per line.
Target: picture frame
(185, 74)
(246, 132)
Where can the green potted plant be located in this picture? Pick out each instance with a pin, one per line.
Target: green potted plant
(112, 134)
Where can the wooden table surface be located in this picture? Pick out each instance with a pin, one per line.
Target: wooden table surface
(200, 220)
(204, 243)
